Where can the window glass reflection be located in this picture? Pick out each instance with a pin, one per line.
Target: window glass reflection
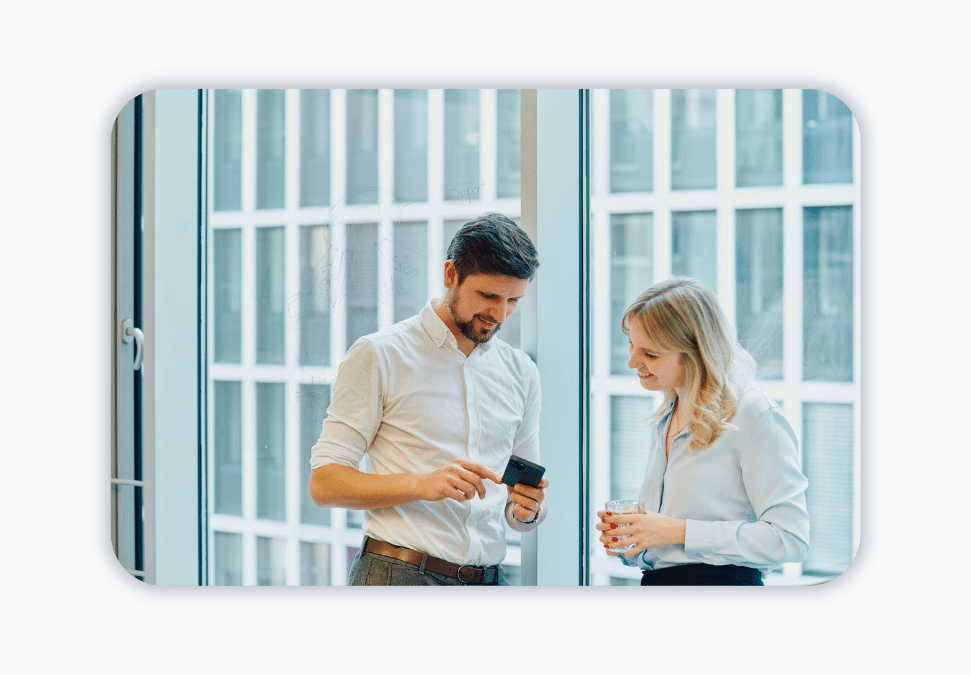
(693, 246)
(227, 163)
(461, 165)
(631, 140)
(758, 137)
(314, 564)
(410, 145)
(758, 287)
(315, 295)
(410, 280)
(362, 146)
(227, 559)
(508, 179)
(227, 298)
(692, 139)
(828, 293)
(631, 271)
(227, 447)
(269, 295)
(362, 280)
(827, 432)
(827, 142)
(271, 562)
(270, 445)
(315, 147)
(313, 401)
(628, 443)
(270, 145)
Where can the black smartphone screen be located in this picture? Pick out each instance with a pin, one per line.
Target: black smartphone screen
(520, 470)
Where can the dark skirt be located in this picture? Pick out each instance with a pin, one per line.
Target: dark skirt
(699, 574)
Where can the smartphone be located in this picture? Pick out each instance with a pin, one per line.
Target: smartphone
(520, 470)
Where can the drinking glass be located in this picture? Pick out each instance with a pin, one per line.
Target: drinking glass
(624, 506)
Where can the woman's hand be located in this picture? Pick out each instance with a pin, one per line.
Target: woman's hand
(643, 530)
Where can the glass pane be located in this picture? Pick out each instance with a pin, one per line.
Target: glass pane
(827, 271)
(227, 424)
(227, 298)
(314, 400)
(270, 137)
(693, 246)
(227, 163)
(508, 177)
(281, 398)
(828, 293)
(449, 228)
(631, 140)
(513, 575)
(269, 295)
(827, 143)
(411, 145)
(362, 146)
(315, 147)
(631, 272)
(271, 562)
(461, 145)
(270, 446)
(827, 432)
(315, 297)
(692, 139)
(227, 559)
(758, 289)
(628, 443)
(314, 564)
(126, 505)
(362, 280)
(626, 581)
(758, 137)
(410, 279)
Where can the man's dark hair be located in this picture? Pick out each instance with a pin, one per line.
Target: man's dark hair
(492, 244)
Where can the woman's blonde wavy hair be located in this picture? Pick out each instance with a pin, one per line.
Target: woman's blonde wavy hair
(682, 315)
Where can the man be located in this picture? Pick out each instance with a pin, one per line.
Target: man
(438, 407)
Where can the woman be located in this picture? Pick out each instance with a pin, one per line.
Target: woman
(724, 491)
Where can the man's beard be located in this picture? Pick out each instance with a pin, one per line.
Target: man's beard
(468, 329)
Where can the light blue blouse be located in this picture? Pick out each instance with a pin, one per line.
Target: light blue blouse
(743, 497)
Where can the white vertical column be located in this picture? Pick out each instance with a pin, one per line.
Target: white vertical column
(559, 317)
(171, 327)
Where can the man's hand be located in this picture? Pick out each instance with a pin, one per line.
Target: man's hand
(460, 479)
(527, 500)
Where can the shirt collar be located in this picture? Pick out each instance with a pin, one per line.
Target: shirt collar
(439, 332)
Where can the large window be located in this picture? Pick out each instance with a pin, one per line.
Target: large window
(338, 229)
(736, 211)
(329, 213)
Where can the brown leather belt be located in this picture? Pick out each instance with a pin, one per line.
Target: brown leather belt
(467, 574)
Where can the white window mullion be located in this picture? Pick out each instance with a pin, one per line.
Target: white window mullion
(338, 149)
(436, 149)
(725, 209)
(488, 144)
(386, 207)
(600, 148)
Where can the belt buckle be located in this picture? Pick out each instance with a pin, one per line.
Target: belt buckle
(458, 574)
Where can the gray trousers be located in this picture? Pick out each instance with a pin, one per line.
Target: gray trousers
(371, 569)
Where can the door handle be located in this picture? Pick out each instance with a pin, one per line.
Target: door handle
(128, 332)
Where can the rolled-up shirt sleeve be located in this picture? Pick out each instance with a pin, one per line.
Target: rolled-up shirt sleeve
(776, 489)
(355, 410)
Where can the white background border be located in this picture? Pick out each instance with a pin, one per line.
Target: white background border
(69, 68)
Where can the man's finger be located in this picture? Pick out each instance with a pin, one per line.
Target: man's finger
(479, 469)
